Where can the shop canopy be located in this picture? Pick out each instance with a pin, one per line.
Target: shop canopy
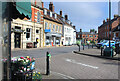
(19, 9)
(24, 7)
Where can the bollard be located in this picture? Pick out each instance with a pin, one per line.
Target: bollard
(101, 51)
(47, 63)
(83, 47)
(79, 47)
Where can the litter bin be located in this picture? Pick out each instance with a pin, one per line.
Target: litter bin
(35, 44)
(108, 52)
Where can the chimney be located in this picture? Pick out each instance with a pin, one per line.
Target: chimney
(115, 16)
(107, 19)
(51, 7)
(103, 21)
(60, 12)
(42, 4)
(66, 17)
(73, 27)
(80, 30)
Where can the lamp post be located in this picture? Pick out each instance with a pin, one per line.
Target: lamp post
(109, 22)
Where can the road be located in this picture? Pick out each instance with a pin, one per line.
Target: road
(73, 66)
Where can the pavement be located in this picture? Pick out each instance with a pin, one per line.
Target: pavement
(66, 65)
(94, 52)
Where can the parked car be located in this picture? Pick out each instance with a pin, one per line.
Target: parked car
(100, 43)
(117, 45)
(106, 43)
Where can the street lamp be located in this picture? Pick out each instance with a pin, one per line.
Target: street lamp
(109, 22)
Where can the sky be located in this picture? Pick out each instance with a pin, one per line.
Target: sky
(85, 15)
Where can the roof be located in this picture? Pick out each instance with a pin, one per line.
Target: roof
(106, 23)
(57, 20)
(64, 22)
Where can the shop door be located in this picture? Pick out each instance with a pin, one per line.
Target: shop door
(17, 40)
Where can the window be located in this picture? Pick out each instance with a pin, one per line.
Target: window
(53, 28)
(46, 25)
(28, 33)
(57, 28)
(89, 35)
(38, 17)
(86, 36)
(50, 26)
(78, 36)
(37, 31)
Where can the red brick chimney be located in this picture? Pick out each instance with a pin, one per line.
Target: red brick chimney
(51, 7)
(80, 30)
(66, 17)
(42, 4)
(60, 12)
(103, 21)
(107, 19)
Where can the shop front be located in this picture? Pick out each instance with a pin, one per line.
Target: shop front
(52, 39)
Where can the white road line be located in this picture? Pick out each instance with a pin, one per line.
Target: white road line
(64, 76)
(73, 61)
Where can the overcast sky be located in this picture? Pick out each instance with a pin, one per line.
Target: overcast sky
(85, 15)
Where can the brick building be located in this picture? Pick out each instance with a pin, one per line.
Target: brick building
(103, 30)
(87, 36)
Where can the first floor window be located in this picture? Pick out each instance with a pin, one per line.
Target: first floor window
(46, 25)
(28, 33)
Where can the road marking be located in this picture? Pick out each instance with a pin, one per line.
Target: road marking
(73, 61)
(64, 76)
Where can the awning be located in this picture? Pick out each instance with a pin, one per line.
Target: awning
(19, 9)
(24, 7)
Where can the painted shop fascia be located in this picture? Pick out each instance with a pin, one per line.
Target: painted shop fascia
(24, 32)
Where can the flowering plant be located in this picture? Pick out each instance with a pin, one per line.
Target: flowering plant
(23, 64)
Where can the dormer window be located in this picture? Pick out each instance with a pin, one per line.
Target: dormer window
(50, 14)
(45, 12)
(55, 16)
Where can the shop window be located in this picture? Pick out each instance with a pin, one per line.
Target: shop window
(47, 40)
(28, 33)
(37, 31)
(46, 25)
(38, 17)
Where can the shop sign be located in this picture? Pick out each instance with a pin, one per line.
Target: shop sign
(17, 30)
(47, 30)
